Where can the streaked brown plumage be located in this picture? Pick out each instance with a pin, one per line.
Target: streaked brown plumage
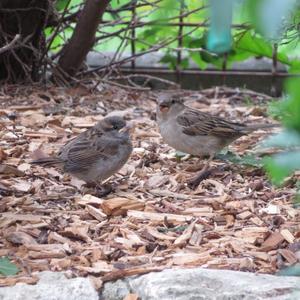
(198, 133)
(95, 154)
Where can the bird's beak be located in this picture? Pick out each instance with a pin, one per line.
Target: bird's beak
(163, 107)
(128, 128)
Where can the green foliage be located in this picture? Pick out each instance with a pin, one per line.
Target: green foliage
(246, 42)
(7, 268)
(248, 160)
(281, 165)
(270, 16)
(61, 4)
(252, 43)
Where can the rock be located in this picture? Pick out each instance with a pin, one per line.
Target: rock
(208, 284)
(51, 286)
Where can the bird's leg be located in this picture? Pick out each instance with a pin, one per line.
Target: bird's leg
(98, 189)
(196, 167)
(203, 174)
(103, 190)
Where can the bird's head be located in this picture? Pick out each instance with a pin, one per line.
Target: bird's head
(112, 124)
(168, 104)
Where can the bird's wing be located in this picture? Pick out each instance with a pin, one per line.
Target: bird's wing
(195, 122)
(87, 149)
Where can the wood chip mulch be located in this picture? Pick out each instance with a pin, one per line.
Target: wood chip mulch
(234, 220)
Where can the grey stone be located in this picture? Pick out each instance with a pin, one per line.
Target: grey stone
(206, 284)
(51, 286)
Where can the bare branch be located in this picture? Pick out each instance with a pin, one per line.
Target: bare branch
(11, 44)
(83, 37)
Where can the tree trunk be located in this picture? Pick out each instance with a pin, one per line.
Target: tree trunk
(82, 40)
(22, 21)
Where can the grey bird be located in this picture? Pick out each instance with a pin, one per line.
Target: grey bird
(198, 133)
(95, 154)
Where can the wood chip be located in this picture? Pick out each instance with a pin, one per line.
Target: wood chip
(158, 217)
(186, 235)
(197, 235)
(152, 220)
(114, 275)
(191, 259)
(288, 255)
(46, 251)
(12, 170)
(244, 215)
(157, 181)
(260, 255)
(98, 267)
(288, 236)
(96, 213)
(159, 235)
(20, 238)
(9, 281)
(22, 186)
(8, 218)
(257, 221)
(77, 232)
(119, 206)
(131, 297)
(272, 242)
(88, 199)
(41, 134)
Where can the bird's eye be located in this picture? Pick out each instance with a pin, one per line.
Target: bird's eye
(115, 127)
(173, 101)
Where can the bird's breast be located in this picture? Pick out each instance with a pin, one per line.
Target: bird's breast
(198, 145)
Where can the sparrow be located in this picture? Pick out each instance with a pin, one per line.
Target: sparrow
(197, 133)
(95, 154)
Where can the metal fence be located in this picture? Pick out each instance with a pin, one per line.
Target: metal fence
(128, 21)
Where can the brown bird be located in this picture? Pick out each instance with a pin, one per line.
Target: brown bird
(95, 154)
(198, 133)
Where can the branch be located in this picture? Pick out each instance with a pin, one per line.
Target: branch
(11, 44)
(82, 40)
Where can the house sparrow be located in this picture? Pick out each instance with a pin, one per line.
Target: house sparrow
(95, 154)
(198, 133)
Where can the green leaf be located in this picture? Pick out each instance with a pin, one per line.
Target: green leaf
(7, 268)
(277, 109)
(253, 43)
(281, 165)
(275, 172)
(197, 58)
(293, 103)
(170, 59)
(249, 160)
(191, 42)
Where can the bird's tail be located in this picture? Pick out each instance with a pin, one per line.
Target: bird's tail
(48, 161)
(250, 128)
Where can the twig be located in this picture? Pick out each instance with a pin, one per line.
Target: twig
(124, 86)
(11, 44)
(153, 49)
(148, 77)
(127, 59)
(54, 34)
